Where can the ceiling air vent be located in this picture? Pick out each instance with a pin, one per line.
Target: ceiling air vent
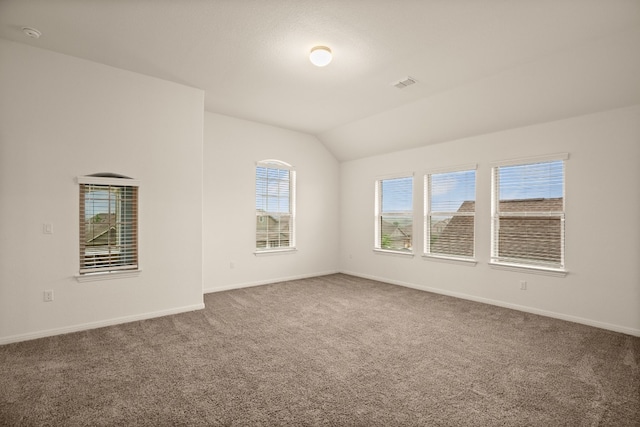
(408, 81)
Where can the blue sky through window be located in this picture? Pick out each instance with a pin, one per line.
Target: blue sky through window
(532, 181)
(449, 190)
(272, 190)
(98, 202)
(397, 195)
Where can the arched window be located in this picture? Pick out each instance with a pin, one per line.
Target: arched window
(275, 206)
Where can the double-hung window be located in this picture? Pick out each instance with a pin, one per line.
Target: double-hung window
(450, 199)
(108, 224)
(275, 206)
(528, 217)
(394, 214)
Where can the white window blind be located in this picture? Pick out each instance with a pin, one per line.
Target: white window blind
(528, 214)
(450, 214)
(394, 214)
(275, 205)
(108, 224)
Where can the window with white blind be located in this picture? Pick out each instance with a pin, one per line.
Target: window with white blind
(450, 199)
(275, 206)
(108, 224)
(394, 214)
(528, 217)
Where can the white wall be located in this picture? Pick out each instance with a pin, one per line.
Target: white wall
(231, 149)
(602, 220)
(61, 117)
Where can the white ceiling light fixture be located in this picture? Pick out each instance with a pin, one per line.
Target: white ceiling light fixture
(31, 32)
(320, 56)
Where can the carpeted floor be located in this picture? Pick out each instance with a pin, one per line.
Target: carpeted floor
(334, 350)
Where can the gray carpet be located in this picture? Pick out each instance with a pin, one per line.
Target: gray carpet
(334, 350)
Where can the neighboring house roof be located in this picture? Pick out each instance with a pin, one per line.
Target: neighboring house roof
(271, 228)
(398, 234)
(396, 229)
(100, 229)
(531, 205)
(531, 237)
(439, 226)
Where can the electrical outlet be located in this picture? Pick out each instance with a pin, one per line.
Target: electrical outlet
(523, 285)
(48, 296)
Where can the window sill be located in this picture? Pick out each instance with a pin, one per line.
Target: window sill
(123, 274)
(394, 253)
(546, 271)
(451, 260)
(268, 252)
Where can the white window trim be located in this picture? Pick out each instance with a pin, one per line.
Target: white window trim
(99, 180)
(378, 213)
(274, 251)
(108, 275)
(448, 169)
(427, 200)
(528, 268)
(521, 268)
(275, 164)
(528, 160)
(450, 259)
(402, 254)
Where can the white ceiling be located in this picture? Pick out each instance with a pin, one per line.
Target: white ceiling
(482, 65)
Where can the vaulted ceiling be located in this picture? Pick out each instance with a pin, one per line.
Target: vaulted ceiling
(481, 65)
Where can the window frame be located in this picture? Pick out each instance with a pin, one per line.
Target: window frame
(292, 176)
(113, 184)
(428, 213)
(378, 215)
(520, 264)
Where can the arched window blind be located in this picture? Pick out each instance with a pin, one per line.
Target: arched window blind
(275, 205)
(108, 224)
(528, 213)
(450, 201)
(394, 214)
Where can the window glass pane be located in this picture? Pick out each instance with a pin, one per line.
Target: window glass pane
(395, 223)
(397, 195)
(536, 181)
(109, 232)
(451, 235)
(529, 222)
(531, 239)
(396, 231)
(450, 190)
(450, 224)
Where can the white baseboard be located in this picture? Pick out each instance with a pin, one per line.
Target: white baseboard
(265, 282)
(99, 324)
(532, 310)
(116, 321)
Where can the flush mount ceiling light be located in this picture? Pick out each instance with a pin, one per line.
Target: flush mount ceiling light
(320, 56)
(31, 32)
